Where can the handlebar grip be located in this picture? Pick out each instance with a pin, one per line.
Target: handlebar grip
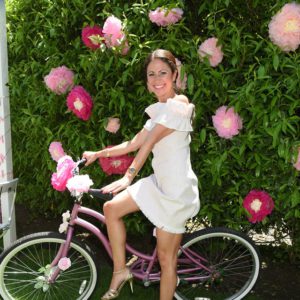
(98, 194)
(81, 162)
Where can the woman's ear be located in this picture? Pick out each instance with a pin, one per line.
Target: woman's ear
(175, 74)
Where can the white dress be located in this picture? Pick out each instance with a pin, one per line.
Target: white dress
(169, 196)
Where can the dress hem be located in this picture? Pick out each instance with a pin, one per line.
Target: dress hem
(157, 224)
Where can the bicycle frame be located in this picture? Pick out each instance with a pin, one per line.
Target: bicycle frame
(142, 267)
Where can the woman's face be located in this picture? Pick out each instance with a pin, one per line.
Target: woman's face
(160, 80)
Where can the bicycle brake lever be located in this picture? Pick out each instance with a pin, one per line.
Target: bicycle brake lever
(98, 194)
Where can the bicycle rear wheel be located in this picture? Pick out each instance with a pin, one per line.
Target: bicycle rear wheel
(232, 263)
(22, 267)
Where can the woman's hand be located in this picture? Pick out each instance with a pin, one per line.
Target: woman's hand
(117, 186)
(90, 157)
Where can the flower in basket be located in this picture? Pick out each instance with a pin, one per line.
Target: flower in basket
(181, 80)
(60, 80)
(258, 204)
(65, 166)
(80, 102)
(164, 17)
(210, 49)
(113, 125)
(92, 36)
(79, 184)
(56, 151)
(64, 263)
(284, 28)
(116, 164)
(226, 122)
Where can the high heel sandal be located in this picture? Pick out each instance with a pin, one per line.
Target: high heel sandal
(112, 293)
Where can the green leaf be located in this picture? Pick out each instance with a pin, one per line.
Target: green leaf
(275, 61)
(190, 83)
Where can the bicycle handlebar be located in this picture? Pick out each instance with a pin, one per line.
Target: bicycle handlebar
(81, 163)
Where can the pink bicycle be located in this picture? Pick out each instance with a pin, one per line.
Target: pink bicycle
(217, 263)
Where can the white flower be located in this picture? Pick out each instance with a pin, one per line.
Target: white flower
(79, 183)
(66, 216)
(63, 227)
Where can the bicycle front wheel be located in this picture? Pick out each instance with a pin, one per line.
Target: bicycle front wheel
(217, 263)
(23, 269)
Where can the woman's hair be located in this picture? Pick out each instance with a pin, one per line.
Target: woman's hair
(164, 55)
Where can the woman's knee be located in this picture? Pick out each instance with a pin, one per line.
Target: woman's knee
(109, 209)
(166, 259)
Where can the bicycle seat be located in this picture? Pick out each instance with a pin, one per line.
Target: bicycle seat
(98, 194)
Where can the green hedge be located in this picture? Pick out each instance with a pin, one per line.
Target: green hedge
(255, 77)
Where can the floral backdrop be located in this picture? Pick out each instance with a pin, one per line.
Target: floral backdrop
(76, 84)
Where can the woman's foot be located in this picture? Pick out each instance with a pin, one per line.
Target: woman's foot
(118, 281)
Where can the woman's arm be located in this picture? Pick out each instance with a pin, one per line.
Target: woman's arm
(154, 136)
(124, 148)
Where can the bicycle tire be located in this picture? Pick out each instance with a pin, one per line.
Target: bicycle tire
(20, 266)
(232, 257)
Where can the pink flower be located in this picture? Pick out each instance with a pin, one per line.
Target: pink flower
(56, 151)
(180, 82)
(210, 50)
(226, 122)
(79, 183)
(297, 163)
(63, 173)
(64, 263)
(116, 164)
(92, 37)
(113, 33)
(284, 28)
(259, 204)
(113, 125)
(80, 102)
(59, 80)
(164, 17)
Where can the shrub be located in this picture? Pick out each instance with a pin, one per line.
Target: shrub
(255, 77)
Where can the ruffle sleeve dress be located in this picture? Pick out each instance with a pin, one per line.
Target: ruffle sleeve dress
(169, 196)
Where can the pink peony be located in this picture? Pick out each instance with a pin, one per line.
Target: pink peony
(60, 80)
(259, 204)
(116, 164)
(297, 163)
(92, 37)
(210, 50)
(56, 151)
(180, 82)
(113, 125)
(80, 102)
(113, 33)
(226, 122)
(65, 166)
(284, 28)
(64, 263)
(79, 183)
(164, 17)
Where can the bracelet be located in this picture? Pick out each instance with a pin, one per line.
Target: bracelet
(106, 153)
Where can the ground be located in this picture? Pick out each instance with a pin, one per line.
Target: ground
(277, 281)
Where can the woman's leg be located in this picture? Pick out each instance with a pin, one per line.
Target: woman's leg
(121, 205)
(167, 249)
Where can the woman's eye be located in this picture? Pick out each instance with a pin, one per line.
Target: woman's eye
(150, 75)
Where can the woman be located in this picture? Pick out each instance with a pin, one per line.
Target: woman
(169, 196)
